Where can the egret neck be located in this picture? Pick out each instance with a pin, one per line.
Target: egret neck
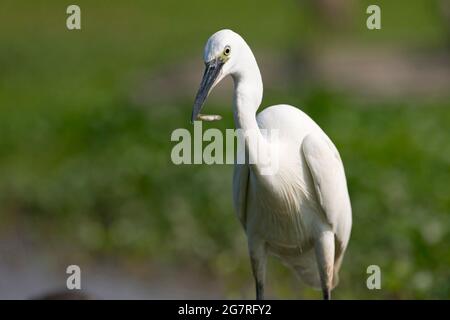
(248, 92)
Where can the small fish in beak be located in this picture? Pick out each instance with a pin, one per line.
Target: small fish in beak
(209, 117)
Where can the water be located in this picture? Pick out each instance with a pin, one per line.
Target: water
(28, 271)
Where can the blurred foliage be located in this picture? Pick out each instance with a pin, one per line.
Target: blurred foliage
(80, 162)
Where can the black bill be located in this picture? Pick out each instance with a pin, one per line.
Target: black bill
(212, 72)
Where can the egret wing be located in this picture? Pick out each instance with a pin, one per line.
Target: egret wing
(328, 176)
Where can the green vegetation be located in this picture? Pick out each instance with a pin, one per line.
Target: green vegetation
(81, 162)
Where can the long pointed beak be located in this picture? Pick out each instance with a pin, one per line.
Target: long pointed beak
(212, 72)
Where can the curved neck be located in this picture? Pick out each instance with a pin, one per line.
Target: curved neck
(248, 92)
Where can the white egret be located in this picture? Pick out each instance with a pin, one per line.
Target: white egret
(302, 212)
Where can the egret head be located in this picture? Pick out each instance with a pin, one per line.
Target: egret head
(220, 56)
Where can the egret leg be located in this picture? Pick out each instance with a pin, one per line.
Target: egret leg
(324, 248)
(258, 258)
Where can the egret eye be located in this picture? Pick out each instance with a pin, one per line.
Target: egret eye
(227, 51)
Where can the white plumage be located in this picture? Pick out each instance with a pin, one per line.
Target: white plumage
(301, 212)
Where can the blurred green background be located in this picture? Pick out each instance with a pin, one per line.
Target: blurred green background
(86, 118)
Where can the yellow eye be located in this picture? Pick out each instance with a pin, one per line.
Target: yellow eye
(227, 51)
